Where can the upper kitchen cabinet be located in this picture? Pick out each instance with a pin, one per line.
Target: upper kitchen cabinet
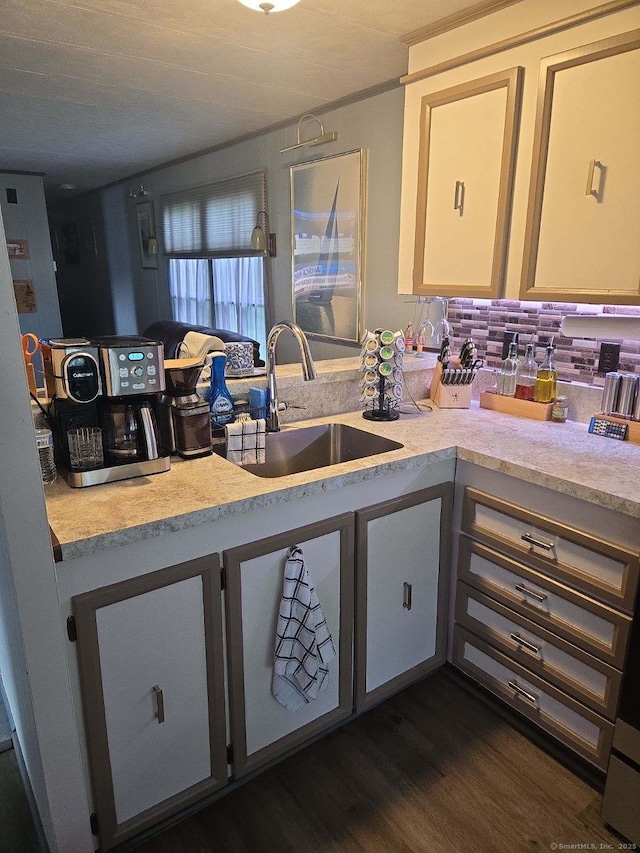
(465, 176)
(524, 183)
(583, 221)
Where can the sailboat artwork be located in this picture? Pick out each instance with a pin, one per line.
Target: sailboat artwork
(327, 204)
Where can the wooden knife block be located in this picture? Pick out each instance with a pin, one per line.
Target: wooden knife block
(449, 396)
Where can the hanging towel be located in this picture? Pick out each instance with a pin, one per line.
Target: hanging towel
(304, 645)
(246, 440)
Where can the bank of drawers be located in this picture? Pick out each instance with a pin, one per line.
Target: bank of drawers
(542, 619)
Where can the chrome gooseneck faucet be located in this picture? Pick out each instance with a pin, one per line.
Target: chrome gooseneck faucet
(308, 368)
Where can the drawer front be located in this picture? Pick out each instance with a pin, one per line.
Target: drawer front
(579, 728)
(591, 626)
(590, 564)
(579, 674)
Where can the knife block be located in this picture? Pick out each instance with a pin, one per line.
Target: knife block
(449, 396)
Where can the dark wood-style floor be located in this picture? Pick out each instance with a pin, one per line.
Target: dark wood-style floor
(433, 769)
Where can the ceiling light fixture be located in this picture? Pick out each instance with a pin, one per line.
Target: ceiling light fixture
(266, 7)
(262, 240)
(316, 140)
(67, 187)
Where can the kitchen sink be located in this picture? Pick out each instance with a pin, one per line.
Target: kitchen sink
(307, 448)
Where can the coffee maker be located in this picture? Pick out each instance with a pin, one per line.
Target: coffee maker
(129, 372)
(184, 419)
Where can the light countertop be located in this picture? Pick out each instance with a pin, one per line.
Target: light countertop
(562, 457)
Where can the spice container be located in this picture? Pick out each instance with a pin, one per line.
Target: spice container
(560, 409)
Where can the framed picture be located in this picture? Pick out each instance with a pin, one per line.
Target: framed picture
(327, 238)
(146, 231)
(18, 250)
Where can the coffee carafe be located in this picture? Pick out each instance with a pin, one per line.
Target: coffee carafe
(184, 419)
(128, 432)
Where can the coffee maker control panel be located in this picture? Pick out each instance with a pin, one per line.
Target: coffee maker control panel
(137, 369)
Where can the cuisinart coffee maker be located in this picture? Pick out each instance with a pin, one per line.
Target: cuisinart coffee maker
(131, 377)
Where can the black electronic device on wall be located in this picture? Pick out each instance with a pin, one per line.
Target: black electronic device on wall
(609, 358)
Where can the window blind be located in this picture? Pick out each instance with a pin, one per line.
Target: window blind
(215, 220)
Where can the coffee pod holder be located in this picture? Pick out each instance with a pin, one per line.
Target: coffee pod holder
(382, 382)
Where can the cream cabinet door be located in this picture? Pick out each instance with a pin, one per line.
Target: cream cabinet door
(152, 682)
(261, 728)
(583, 225)
(402, 582)
(467, 144)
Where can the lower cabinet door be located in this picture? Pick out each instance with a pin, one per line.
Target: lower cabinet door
(152, 682)
(262, 729)
(402, 548)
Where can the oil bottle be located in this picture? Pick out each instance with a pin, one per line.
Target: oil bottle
(527, 375)
(546, 379)
(507, 378)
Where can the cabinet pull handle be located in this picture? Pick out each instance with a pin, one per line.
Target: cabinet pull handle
(593, 164)
(541, 596)
(407, 589)
(526, 643)
(458, 197)
(522, 692)
(159, 697)
(539, 543)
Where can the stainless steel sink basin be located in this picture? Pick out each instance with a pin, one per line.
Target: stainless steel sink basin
(294, 450)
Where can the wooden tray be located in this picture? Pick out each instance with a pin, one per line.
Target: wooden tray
(513, 406)
(633, 432)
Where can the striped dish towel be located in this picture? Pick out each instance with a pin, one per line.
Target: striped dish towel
(304, 645)
(246, 440)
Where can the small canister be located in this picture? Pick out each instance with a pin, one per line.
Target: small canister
(610, 393)
(560, 409)
(627, 395)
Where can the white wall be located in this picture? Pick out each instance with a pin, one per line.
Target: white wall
(32, 640)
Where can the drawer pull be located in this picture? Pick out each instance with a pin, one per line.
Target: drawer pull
(407, 595)
(540, 596)
(526, 643)
(159, 698)
(531, 697)
(539, 543)
(458, 198)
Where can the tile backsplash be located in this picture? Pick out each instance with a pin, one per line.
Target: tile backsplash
(576, 358)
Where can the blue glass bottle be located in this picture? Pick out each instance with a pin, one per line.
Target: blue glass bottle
(220, 400)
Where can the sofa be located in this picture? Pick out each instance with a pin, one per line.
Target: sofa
(171, 334)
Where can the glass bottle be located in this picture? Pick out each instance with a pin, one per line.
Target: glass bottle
(546, 379)
(507, 379)
(219, 399)
(526, 376)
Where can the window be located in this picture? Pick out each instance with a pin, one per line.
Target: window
(215, 279)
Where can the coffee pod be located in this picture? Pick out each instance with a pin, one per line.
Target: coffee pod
(384, 368)
(386, 337)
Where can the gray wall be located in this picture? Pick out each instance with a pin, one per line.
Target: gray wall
(27, 220)
(374, 123)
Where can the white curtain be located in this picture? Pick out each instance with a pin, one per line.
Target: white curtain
(190, 286)
(239, 297)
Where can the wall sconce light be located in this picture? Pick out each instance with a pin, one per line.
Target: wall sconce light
(316, 140)
(267, 6)
(263, 240)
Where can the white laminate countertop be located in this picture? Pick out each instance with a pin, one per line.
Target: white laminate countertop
(562, 457)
